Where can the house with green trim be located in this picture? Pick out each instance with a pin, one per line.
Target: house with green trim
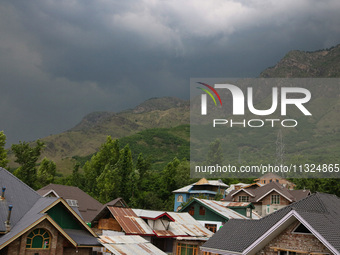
(214, 214)
(31, 224)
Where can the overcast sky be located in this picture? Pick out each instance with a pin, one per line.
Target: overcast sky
(62, 59)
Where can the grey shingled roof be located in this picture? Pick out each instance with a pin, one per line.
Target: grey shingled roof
(18, 194)
(82, 238)
(27, 208)
(87, 205)
(321, 211)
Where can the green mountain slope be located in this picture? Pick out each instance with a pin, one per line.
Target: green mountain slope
(159, 127)
(297, 64)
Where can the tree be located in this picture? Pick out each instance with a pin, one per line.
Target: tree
(3, 152)
(215, 155)
(125, 168)
(108, 184)
(46, 172)
(27, 157)
(108, 154)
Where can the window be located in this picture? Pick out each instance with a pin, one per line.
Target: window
(192, 211)
(243, 198)
(211, 227)
(277, 180)
(248, 213)
(38, 239)
(187, 249)
(275, 199)
(202, 210)
(180, 198)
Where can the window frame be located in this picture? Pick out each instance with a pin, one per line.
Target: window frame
(275, 199)
(39, 232)
(243, 198)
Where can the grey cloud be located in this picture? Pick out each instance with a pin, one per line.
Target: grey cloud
(60, 60)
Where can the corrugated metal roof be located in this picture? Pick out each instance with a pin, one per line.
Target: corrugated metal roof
(185, 225)
(221, 208)
(130, 222)
(122, 245)
(150, 214)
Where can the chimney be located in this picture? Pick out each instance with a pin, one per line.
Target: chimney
(3, 193)
(8, 221)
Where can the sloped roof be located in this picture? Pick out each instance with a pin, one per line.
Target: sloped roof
(87, 205)
(259, 193)
(181, 224)
(217, 183)
(18, 194)
(219, 207)
(130, 222)
(122, 245)
(29, 210)
(320, 212)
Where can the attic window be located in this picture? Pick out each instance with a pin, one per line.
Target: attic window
(301, 229)
(243, 198)
(72, 202)
(192, 211)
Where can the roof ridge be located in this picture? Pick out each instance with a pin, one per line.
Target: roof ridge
(17, 179)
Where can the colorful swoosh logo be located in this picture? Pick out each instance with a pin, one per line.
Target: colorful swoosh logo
(208, 92)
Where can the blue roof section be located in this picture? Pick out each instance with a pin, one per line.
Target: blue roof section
(18, 194)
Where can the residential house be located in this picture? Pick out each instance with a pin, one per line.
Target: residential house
(203, 188)
(214, 214)
(87, 205)
(309, 226)
(170, 232)
(268, 198)
(31, 224)
(272, 177)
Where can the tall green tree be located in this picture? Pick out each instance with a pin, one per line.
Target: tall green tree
(46, 172)
(125, 168)
(3, 152)
(27, 157)
(108, 154)
(108, 183)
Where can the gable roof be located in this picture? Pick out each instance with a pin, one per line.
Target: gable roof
(130, 222)
(87, 205)
(218, 207)
(18, 194)
(319, 212)
(259, 193)
(29, 209)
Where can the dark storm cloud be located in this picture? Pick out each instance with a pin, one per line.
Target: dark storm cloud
(60, 60)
